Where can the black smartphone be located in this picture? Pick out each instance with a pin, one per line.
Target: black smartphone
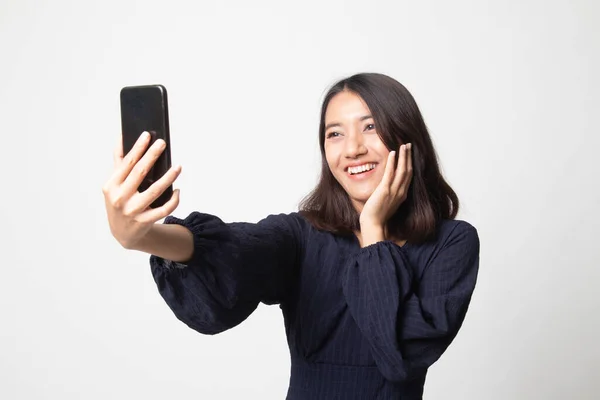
(144, 108)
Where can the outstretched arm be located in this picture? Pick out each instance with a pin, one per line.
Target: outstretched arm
(232, 268)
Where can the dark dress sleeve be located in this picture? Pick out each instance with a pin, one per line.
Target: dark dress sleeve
(234, 267)
(408, 320)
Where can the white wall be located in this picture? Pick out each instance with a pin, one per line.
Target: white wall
(508, 89)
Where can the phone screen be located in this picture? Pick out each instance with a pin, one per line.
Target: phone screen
(144, 108)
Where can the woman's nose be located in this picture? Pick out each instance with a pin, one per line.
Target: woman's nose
(355, 146)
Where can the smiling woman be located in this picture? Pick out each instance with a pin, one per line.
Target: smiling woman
(363, 118)
(373, 275)
(353, 149)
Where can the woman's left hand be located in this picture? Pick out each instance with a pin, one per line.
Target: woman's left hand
(391, 191)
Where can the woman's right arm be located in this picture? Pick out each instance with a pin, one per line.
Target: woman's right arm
(211, 274)
(233, 267)
(170, 242)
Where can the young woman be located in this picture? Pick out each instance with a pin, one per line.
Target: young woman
(374, 274)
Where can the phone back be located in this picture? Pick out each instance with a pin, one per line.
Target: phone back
(144, 108)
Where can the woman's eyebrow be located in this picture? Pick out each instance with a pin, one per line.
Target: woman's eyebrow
(334, 124)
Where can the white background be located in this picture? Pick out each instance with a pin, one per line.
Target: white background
(509, 90)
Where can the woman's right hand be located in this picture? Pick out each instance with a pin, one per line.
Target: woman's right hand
(129, 214)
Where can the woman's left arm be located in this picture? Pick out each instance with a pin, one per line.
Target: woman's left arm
(409, 321)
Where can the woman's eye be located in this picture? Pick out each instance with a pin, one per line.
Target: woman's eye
(370, 127)
(332, 134)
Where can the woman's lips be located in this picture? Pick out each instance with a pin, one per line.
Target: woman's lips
(361, 176)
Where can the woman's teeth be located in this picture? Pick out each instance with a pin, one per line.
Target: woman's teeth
(360, 169)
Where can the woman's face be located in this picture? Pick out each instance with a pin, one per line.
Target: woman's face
(355, 154)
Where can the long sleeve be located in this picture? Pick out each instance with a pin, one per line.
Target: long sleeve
(409, 320)
(235, 266)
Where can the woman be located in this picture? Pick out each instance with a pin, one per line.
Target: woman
(374, 275)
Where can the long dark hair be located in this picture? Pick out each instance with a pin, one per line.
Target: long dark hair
(398, 120)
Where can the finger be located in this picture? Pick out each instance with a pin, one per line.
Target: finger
(117, 160)
(388, 173)
(131, 158)
(400, 169)
(155, 214)
(143, 166)
(408, 172)
(143, 200)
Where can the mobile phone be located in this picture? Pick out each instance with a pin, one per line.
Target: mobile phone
(144, 108)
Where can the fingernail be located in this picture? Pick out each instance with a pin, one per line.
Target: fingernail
(145, 135)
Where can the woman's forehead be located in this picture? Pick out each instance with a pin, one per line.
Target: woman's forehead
(346, 106)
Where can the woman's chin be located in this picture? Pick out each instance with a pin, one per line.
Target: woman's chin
(360, 193)
(360, 198)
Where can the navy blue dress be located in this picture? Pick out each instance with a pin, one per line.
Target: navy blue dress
(361, 323)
